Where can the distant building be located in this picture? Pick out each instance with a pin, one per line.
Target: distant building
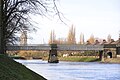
(23, 38)
(96, 42)
(88, 43)
(111, 41)
(116, 42)
(104, 41)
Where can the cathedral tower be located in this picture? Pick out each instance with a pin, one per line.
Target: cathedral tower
(23, 38)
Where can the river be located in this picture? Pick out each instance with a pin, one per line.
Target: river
(74, 70)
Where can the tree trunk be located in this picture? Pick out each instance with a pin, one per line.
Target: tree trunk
(2, 50)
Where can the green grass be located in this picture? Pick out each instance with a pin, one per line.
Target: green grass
(11, 70)
(17, 57)
(79, 59)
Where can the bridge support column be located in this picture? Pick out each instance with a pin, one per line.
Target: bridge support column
(101, 55)
(53, 54)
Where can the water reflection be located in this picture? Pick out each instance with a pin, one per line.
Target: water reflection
(74, 70)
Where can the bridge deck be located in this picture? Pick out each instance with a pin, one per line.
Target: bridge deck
(59, 47)
(80, 47)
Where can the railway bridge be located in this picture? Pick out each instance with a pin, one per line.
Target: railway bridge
(53, 48)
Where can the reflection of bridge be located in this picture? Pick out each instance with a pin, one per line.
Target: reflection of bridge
(53, 48)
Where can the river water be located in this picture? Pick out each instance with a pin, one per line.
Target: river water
(74, 70)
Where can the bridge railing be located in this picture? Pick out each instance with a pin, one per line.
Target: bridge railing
(28, 47)
(110, 45)
(60, 47)
(80, 47)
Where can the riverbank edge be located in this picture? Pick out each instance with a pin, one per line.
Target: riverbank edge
(12, 70)
(76, 59)
(111, 60)
(88, 59)
(81, 59)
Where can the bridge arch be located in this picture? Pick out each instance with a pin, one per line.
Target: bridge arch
(109, 54)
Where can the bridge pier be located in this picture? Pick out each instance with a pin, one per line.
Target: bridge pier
(53, 54)
(101, 55)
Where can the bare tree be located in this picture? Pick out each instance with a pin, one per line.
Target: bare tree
(81, 38)
(71, 36)
(91, 39)
(109, 38)
(52, 39)
(15, 17)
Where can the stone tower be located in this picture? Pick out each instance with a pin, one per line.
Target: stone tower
(23, 38)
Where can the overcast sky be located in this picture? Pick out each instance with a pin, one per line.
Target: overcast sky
(97, 17)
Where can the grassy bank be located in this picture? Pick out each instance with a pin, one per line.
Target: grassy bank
(76, 59)
(79, 59)
(17, 57)
(11, 70)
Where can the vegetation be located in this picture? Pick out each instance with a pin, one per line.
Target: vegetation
(27, 54)
(79, 59)
(52, 37)
(17, 57)
(71, 36)
(91, 39)
(15, 17)
(11, 70)
(69, 40)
